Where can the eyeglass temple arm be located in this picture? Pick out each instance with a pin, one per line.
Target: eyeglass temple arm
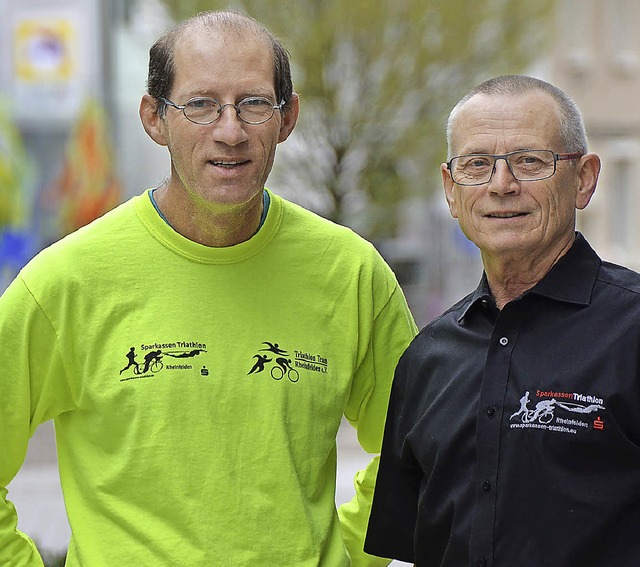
(574, 155)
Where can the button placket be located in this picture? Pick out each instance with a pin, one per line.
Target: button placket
(495, 378)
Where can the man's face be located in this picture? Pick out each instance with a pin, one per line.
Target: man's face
(506, 218)
(226, 163)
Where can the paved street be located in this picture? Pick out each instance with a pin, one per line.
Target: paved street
(38, 499)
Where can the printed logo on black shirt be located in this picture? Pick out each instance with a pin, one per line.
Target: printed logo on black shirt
(570, 406)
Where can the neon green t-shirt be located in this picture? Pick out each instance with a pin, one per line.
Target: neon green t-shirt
(197, 392)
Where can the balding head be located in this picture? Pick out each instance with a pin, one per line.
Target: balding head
(162, 53)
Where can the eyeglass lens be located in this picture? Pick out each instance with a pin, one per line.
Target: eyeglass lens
(528, 165)
(250, 110)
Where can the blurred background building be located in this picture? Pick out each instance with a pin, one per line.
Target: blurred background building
(365, 153)
(596, 58)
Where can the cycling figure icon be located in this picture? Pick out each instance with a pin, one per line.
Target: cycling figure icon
(152, 363)
(284, 367)
(542, 413)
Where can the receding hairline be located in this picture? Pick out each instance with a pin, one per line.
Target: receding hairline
(225, 22)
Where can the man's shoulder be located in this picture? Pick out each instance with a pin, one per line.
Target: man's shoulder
(446, 320)
(620, 277)
(302, 213)
(83, 246)
(317, 227)
(112, 219)
(615, 277)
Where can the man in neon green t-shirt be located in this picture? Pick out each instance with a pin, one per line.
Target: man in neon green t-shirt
(196, 403)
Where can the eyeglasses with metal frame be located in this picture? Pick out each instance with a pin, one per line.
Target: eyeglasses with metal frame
(205, 110)
(524, 165)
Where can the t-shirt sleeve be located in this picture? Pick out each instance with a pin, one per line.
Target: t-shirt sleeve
(392, 330)
(34, 389)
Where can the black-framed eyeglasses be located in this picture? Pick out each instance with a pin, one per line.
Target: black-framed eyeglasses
(205, 110)
(524, 165)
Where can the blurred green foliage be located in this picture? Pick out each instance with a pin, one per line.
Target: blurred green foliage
(16, 173)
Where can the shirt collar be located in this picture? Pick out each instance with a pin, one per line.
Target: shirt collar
(570, 280)
(481, 296)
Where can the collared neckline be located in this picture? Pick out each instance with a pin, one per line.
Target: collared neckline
(570, 280)
(481, 296)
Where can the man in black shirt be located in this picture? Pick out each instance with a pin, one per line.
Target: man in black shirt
(513, 432)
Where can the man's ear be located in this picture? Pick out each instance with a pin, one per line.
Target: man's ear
(588, 171)
(152, 123)
(448, 185)
(289, 118)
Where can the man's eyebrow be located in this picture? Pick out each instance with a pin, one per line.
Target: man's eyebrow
(248, 93)
(265, 93)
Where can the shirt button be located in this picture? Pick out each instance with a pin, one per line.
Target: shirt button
(504, 341)
(482, 563)
(491, 411)
(486, 486)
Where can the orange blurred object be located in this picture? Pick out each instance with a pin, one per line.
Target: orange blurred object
(87, 186)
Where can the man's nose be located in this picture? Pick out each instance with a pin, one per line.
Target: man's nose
(228, 127)
(502, 180)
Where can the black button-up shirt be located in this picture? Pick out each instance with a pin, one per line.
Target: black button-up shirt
(513, 436)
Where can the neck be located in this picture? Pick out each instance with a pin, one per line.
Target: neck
(509, 277)
(209, 224)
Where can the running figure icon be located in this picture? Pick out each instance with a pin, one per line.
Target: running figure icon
(131, 357)
(261, 360)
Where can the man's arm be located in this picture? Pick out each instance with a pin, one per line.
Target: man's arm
(354, 516)
(30, 360)
(395, 503)
(393, 329)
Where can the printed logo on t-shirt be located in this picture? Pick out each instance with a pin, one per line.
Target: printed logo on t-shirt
(561, 412)
(148, 359)
(279, 363)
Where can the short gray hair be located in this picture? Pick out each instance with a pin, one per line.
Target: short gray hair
(572, 130)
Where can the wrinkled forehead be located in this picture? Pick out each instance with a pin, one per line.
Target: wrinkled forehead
(505, 122)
